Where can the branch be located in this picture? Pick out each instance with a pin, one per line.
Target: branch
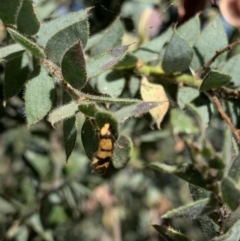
(224, 115)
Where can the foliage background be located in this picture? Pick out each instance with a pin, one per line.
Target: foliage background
(43, 198)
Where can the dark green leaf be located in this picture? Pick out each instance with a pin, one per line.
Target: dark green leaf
(98, 64)
(89, 138)
(171, 234)
(187, 172)
(209, 228)
(26, 43)
(14, 80)
(9, 10)
(121, 152)
(234, 171)
(74, 66)
(230, 193)
(214, 79)
(128, 62)
(61, 41)
(39, 96)
(69, 135)
(178, 55)
(88, 109)
(198, 193)
(27, 22)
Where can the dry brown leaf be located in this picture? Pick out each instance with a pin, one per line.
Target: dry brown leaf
(155, 92)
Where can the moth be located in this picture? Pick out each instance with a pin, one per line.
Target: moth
(101, 160)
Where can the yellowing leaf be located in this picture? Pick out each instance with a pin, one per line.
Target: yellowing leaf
(155, 92)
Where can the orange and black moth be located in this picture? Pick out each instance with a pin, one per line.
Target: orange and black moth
(101, 160)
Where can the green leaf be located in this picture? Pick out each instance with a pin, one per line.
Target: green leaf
(69, 135)
(128, 62)
(234, 171)
(10, 52)
(27, 21)
(89, 138)
(93, 40)
(63, 112)
(206, 45)
(14, 80)
(198, 193)
(186, 95)
(88, 109)
(151, 51)
(110, 39)
(209, 228)
(187, 172)
(230, 192)
(182, 123)
(111, 82)
(171, 234)
(74, 66)
(178, 55)
(232, 67)
(39, 96)
(235, 148)
(195, 209)
(133, 85)
(9, 10)
(58, 215)
(98, 64)
(121, 152)
(199, 103)
(233, 234)
(61, 41)
(191, 26)
(135, 110)
(214, 79)
(213, 158)
(71, 22)
(26, 43)
(231, 219)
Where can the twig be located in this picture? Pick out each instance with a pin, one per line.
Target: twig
(201, 71)
(225, 92)
(224, 115)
